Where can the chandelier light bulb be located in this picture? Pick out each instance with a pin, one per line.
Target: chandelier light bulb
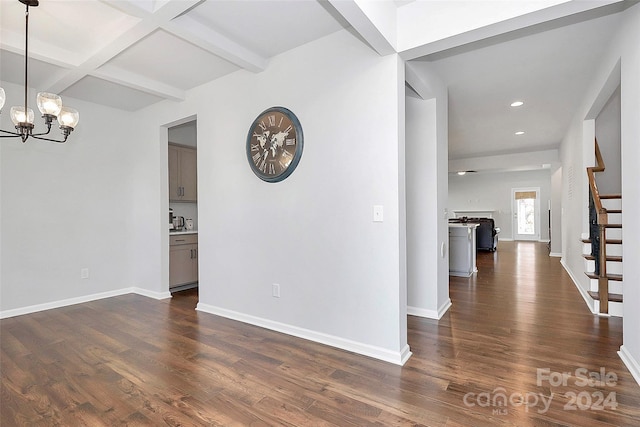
(68, 117)
(49, 103)
(18, 115)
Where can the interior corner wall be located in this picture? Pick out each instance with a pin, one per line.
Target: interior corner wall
(422, 236)
(65, 207)
(608, 136)
(427, 187)
(556, 210)
(492, 191)
(575, 155)
(340, 273)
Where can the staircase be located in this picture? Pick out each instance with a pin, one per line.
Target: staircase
(603, 249)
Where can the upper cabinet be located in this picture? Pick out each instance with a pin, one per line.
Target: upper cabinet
(183, 181)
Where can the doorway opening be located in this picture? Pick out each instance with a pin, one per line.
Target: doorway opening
(526, 213)
(183, 206)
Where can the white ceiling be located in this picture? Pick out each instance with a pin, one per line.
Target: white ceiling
(549, 71)
(129, 54)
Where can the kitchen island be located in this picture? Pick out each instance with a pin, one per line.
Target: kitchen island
(462, 249)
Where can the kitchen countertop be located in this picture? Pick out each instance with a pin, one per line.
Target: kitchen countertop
(179, 233)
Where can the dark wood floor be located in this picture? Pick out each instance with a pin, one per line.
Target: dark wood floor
(131, 360)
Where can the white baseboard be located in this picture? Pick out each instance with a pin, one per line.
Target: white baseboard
(79, 300)
(151, 294)
(585, 296)
(430, 314)
(632, 364)
(398, 358)
(544, 240)
(556, 254)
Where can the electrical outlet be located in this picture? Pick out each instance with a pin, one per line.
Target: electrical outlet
(275, 290)
(84, 273)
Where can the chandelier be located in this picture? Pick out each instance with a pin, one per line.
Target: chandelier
(49, 104)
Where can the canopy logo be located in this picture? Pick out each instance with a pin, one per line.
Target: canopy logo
(597, 400)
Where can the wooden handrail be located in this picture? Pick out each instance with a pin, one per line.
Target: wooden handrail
(603, 220)
(602, 213)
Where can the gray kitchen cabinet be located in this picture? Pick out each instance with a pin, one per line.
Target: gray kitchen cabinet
(183, 259)
(183, 176)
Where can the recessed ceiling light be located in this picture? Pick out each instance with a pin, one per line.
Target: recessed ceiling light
(517, 104)
(462, 173)
(520, 132)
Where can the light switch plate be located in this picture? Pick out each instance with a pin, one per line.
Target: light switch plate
(378, 213)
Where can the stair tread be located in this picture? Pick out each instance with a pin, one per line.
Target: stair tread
(610, 276)
(613, 225)
(609, 258)
(612, 297)
(614, 211)
(611, 196)
(609, 241)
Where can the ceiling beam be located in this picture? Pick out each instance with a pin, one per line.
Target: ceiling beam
(413, 79)
(214, 42)
(364, 25)
(135, 81)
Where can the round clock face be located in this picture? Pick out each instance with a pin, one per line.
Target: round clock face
(274, 144)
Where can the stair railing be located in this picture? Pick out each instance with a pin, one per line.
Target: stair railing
(598, 219)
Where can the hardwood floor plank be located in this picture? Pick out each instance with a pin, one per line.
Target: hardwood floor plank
(131, 360)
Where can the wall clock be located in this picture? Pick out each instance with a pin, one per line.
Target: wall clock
(274, 144)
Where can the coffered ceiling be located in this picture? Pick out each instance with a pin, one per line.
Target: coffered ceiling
(129, 54)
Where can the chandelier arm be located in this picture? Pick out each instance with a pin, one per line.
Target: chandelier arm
(43, 133)
(50, 139)
(11, 134)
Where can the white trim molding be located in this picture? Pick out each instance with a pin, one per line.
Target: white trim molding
(585, 296)
(430, 314)
(632, 364)
(397, 358)
(79, 300)
(151, 294)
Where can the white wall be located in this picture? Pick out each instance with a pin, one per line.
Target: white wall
(577, 153)
(492, 191)
(65, 207)
(556, 210)
(427, 187)
(341, 275)
(630, 107)
(608, 135)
